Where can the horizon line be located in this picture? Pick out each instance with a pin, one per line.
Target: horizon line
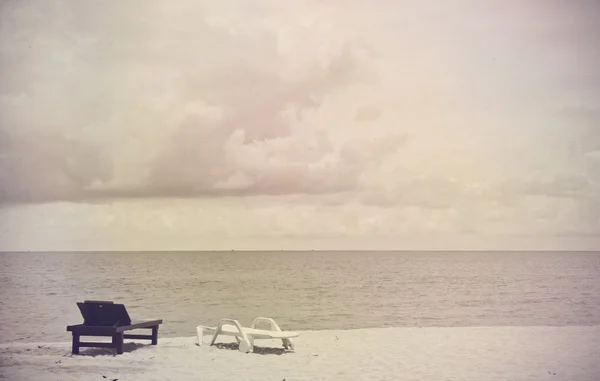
(305, 250)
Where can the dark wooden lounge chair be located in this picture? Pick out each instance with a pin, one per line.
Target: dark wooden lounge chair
(105, 318)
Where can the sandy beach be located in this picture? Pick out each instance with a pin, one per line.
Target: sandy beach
(473, 353)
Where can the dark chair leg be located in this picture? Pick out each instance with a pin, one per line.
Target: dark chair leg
(117, 341)
(155, 335)
(75, 348)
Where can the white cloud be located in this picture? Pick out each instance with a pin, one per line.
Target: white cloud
(349, 118)
(593, 167)
(177, 107)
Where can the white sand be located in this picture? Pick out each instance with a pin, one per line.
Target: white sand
(487, 353)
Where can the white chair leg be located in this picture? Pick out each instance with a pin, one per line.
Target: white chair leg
(288, 344)
(200, 334)
(216, 334)
(245, 346)
(246, 343)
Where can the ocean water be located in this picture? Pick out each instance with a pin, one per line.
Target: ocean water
(301, 290)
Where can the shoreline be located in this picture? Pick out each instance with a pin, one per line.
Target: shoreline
(461, 353)
(66, 337)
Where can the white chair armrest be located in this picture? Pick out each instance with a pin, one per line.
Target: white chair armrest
(274, 326)
(233, 322)
(246, 343)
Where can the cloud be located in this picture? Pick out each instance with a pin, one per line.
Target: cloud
(472, 120)
(172, 111)
(569, 185)
(584, 113)
(48, 166)
(263, 144)
(592, 161)
(367, 113)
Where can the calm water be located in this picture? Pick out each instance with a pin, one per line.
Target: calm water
(301, 290)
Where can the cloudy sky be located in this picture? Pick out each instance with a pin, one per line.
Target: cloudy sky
(298, 124)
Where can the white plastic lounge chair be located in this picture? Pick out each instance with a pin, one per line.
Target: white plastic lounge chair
(246, 336)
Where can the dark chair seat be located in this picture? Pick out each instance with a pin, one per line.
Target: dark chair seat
(105, 318)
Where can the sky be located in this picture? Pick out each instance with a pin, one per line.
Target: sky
(304, 124)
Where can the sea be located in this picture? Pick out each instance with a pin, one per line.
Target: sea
(300, 290)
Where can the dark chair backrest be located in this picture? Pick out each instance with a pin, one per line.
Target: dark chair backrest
(104, 313)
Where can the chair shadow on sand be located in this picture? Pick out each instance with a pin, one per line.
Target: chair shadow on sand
(94, 352)
(257, 350)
